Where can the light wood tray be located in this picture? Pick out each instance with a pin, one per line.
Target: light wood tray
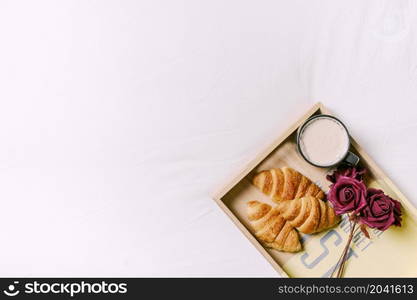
(392, 253)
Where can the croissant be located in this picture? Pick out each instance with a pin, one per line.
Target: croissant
(271, 228)
(286, 184)
(308, 214)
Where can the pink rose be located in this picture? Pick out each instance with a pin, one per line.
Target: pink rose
(347, 195)
(381, 212)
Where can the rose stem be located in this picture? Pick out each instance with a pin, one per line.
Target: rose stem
(337, 264)
(343, 253)
(346, 250)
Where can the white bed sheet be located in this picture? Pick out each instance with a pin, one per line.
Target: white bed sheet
(118, 118)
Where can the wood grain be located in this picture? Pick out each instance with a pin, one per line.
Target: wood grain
(234, 195)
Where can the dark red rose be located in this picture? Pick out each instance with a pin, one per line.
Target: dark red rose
(347, 195)
(352, 172)
(381, 212)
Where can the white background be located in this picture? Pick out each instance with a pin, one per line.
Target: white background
(118, 118)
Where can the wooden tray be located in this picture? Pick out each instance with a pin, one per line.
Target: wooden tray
(392, 253)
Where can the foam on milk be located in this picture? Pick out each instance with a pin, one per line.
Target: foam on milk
(324, 141)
